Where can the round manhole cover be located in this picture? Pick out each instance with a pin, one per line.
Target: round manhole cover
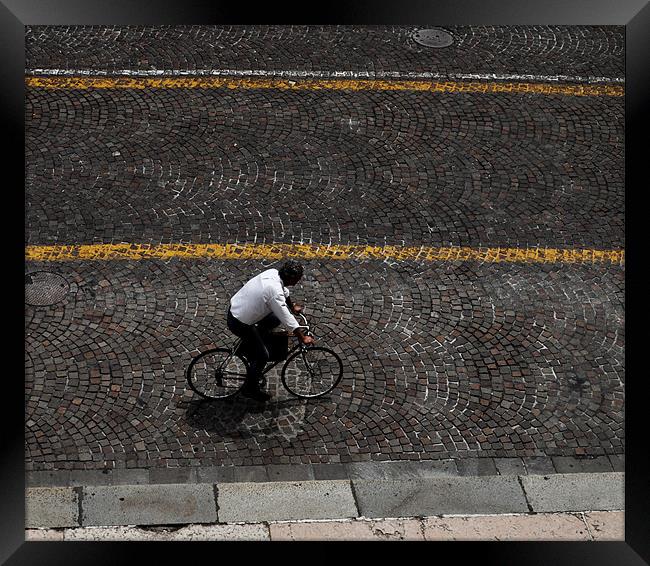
(433, 37)
(44, 288)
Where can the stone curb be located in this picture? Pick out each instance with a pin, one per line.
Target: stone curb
(253, 502)
(535, 465)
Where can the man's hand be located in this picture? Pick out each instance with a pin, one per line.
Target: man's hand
(306, 340)
(297, 309)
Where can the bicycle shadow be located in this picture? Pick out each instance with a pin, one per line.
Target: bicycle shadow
(239, 417)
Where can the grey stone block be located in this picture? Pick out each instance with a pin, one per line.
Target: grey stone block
(510, 466)
(539, 465)
(477, 467)
(434, 496)
(330, 471)
(437, 467)
(80, 478)
(576, 492)
(288, 472)
(185, 533)
(134, 476)
(164, 504)
(284, 501)
(250, 474)
(618, 462)
(400, 470)
(172, 475)
(47, 478)
(568, 464)
(215, 474)
(51, 507)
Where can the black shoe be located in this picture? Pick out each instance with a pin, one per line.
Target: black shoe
(255, 394)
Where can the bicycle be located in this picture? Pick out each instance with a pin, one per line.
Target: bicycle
(308, 371)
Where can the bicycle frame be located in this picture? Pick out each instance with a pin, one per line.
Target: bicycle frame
(268, 367)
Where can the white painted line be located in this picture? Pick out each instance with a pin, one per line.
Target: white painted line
(323, 74)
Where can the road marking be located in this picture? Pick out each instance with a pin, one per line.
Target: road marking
(325, 252)
(80, 83)
(327, 75)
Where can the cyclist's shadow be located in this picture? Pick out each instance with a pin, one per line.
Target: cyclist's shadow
(226, 417)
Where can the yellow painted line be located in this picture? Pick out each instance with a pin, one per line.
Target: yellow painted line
(323, 84)
(326, 252)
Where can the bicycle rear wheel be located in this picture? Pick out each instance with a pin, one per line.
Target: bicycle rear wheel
(312, 372)
(217, 373)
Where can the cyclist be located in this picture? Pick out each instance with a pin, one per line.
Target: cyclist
(259, 306)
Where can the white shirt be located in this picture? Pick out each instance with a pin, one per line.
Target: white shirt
(262, 295)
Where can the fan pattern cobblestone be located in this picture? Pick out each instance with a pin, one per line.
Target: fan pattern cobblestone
(443, 359)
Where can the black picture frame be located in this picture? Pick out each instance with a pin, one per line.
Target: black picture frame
(633, 14)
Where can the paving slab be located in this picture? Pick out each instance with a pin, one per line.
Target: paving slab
(45, 535)
(130, 477)
(287, 472)
(281, 501)
(539, 465)
(401, 470)
(165, 504)
(575, 492)
(565, 464)
(510, 466)
(541, 527)
(51, 507)
(355, 530)
(618, 462)
(433, 496)
(252, 532)
(250, 474)
(79, 478)
(477, 467)
(606, 525)
(594, 526)
(330, 471)
(47, 478)
(173, 475)
(215, 474)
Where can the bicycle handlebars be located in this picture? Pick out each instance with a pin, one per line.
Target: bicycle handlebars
(306, 327)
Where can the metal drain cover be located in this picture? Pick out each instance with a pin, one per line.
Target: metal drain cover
(43, 288)
(433, 37)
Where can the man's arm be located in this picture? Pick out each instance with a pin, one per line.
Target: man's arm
(279, 306)
(293, 307)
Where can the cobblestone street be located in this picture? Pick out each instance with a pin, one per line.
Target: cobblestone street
(459, 359)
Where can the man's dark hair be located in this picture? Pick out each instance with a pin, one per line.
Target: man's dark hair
(290, 270)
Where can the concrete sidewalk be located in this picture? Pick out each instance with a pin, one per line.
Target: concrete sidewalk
(593, 526)
(587, 506)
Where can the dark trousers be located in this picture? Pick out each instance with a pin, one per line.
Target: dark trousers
(253, 344)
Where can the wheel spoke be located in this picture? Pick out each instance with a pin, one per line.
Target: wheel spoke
(312, 372)
(216, 374)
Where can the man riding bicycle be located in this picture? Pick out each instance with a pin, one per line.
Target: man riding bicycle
(259, 306)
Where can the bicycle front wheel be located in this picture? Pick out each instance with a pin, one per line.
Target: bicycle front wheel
(217, 373)
(312, 372)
